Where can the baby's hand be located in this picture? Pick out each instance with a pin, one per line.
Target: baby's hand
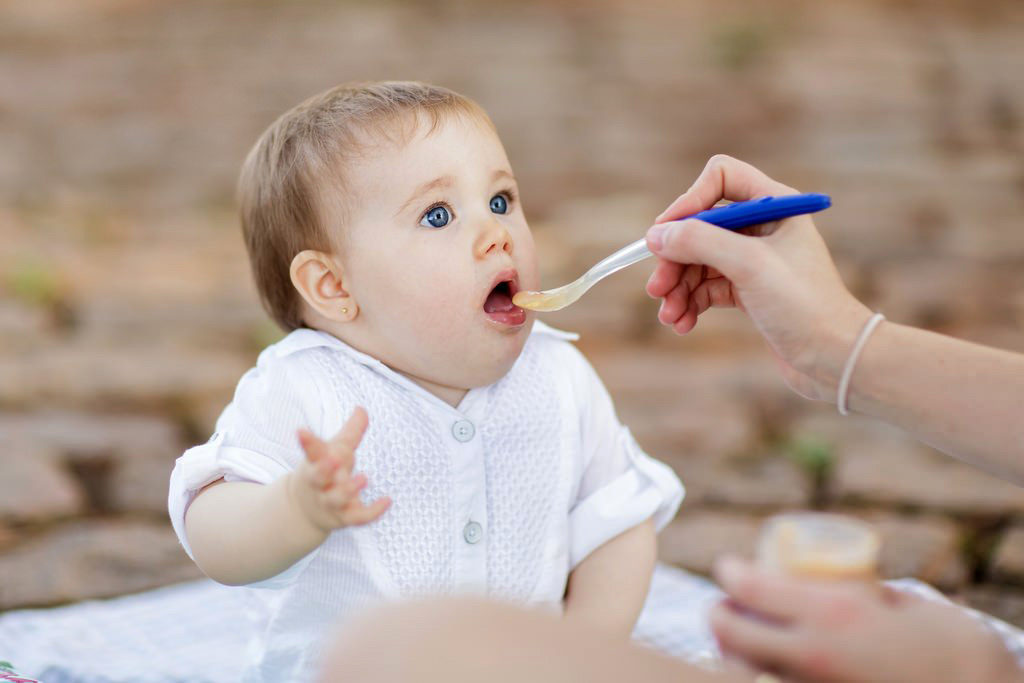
(323, 486)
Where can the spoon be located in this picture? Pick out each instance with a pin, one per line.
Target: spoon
(731, 217)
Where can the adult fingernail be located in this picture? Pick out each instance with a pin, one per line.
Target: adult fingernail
(728, 570)
(656, 237)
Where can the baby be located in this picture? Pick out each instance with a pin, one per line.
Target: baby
(415, 432)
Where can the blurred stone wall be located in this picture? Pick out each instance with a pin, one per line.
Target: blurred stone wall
(127, 313)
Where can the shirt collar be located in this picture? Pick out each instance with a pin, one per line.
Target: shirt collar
(306, 338)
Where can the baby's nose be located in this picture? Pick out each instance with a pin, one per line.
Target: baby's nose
(494, 238)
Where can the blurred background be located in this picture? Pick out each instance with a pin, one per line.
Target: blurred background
(127, 313)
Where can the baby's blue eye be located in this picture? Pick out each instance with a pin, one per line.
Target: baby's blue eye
(437, 217)
(499, 204)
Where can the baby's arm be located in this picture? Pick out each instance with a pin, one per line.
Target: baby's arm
(608, 588)
(243, 532)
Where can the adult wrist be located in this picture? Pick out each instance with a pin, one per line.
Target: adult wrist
(838, 335)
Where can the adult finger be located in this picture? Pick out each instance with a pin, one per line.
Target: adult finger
(696, 242)
(674, 304)
(688, 320)
(665, 277)
(770, 594)
(714, 292)
(755, 640)
(723, 177)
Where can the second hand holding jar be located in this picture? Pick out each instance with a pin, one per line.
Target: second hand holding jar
(816, 546)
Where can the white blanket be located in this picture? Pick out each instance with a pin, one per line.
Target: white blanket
(197, 632)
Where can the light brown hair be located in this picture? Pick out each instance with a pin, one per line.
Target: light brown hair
(283, 188)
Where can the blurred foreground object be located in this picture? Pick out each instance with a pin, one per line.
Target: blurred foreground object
(820, 545)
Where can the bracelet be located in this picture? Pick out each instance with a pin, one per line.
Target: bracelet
(844, 383)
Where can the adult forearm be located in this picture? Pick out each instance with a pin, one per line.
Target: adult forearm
(243, 532)
(961, 398)
(467, 640)
(608, 588)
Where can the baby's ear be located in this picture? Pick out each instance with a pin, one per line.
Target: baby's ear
(320, 281)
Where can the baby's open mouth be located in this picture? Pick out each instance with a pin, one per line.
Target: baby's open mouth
(498, 305)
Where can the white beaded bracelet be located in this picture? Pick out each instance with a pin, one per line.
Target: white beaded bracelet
(844, 383)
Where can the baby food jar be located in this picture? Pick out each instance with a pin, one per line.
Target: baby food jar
(819, 546)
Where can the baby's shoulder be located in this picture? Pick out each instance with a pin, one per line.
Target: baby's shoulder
(555, 349)
(551, 359)
(289, 366)
(547, 341)
(563, 363)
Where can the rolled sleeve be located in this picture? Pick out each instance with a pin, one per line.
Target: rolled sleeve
(204, 464)
(255, 441)
(646, 489)
(620, 485)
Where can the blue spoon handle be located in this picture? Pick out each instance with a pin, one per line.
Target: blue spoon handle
(732, 217)
(741, 214)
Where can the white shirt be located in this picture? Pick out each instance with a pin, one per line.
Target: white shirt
(502, 496)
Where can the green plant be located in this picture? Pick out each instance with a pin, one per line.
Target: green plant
(263, 334)
(816, 457)
(739, 46)
(34, 283)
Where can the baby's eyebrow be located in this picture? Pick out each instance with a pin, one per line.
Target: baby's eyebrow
(502, 173)
(443, 181)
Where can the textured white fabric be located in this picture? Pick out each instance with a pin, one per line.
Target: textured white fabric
(541, 464)
(197, 632)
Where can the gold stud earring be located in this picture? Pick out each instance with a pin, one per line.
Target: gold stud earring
(344, 311)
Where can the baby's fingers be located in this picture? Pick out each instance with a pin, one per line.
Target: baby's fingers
(343, 445)
(358, 514)
(352, 432)
(344, 489)
(324, 472)
(314, 447)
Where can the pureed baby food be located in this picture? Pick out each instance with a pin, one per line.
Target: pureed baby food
(820, 546)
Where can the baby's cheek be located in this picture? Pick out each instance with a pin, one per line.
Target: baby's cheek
(526, 261)
(440, 296)
(418, 291)
(440, 310)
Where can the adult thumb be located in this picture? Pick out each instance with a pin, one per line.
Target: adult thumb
(694, 241)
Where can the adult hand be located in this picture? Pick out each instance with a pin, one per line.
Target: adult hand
(780, 274)
(825, 631)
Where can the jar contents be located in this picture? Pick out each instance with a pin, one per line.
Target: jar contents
(820, 545)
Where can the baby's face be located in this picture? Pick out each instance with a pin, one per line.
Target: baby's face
(433, 254)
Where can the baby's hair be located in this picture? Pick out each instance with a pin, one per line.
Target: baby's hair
(283, 188)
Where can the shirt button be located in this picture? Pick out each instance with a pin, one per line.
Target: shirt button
(463, 430)
(473, 532)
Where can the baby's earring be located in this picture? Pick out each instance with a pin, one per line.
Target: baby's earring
(344, 310)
